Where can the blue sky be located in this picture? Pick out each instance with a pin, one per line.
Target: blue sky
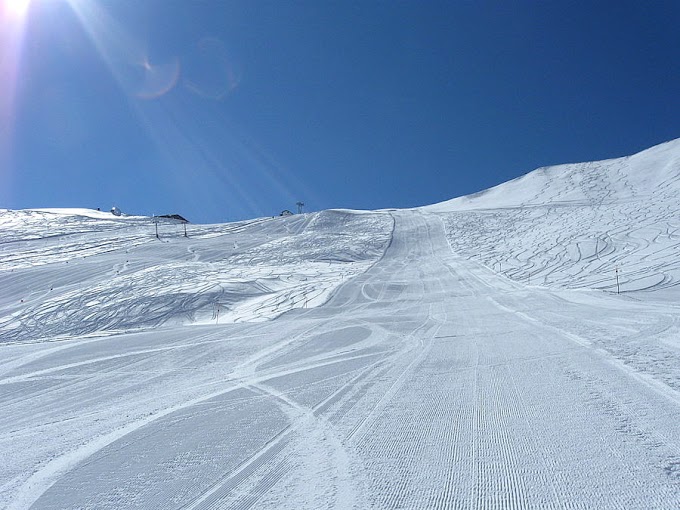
(222, 110)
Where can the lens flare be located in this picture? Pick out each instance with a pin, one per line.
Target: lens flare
(210, 71)
(125, 55)
(188, 137)
(157, 79)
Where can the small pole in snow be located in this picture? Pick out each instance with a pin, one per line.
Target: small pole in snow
(155, 221)
(185, 228)
(618, 289)
(217, 321)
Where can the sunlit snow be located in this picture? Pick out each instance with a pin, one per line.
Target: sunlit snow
(471, 354)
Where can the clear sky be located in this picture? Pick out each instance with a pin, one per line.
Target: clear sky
(226, 109)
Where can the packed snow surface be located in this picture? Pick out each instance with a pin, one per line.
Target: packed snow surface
(470, 354)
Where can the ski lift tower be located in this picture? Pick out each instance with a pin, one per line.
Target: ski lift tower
(300, 205)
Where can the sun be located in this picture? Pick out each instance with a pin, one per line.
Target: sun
(15, 8)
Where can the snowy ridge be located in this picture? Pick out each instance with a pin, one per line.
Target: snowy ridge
(574, 225)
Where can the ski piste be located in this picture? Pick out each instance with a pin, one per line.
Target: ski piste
(470, 354)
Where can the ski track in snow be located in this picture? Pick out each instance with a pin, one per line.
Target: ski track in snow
(351, 360)
(577, 230)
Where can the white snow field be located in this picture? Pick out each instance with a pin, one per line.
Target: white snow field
(344, 359)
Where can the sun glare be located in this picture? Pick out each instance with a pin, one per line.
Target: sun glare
(15, 8)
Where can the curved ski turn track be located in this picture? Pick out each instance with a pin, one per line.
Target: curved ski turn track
(428, 381)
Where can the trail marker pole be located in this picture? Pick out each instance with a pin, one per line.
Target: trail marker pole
(217, 320)
(618, 289)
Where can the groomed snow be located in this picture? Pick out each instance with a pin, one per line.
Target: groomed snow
(346, 359)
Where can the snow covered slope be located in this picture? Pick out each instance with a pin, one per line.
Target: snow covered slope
(574, 225)
(348, 359)
(71, 273)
